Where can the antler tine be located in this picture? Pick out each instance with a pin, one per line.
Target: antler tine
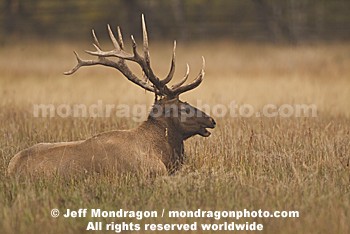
(111, 35)
(95, 38)
(74, 69)
(97, 47)
(136, 56)
(184, 79)
(113, 53)
(120, 38)
(81, 63)
(118, 47)
(119, 52)
(109, 63)
(193, 84)
(99, 52)
(145, 40)
(172, 68)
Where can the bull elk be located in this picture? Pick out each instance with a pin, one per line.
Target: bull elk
(154, 148)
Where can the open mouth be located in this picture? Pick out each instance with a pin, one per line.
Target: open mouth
(204, 132)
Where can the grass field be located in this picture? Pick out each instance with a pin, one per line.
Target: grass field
(247, 163)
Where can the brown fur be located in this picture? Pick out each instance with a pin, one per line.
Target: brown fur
(154, 148)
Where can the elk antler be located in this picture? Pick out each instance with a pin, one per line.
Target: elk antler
(158, 86)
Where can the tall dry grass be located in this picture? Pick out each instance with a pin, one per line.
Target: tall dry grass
(248, 163)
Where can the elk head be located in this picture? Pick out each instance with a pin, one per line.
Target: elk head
(186, 119)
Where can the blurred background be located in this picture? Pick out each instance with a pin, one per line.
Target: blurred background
(257, 52)
(263, 51)
(289, 21)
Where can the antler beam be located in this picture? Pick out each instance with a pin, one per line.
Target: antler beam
(158, 86)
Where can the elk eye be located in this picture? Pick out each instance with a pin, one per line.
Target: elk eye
(184, 110)
(188, 110)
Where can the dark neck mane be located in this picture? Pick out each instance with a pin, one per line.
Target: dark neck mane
(168, 140)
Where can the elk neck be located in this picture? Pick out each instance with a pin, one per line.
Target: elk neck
(166, 139)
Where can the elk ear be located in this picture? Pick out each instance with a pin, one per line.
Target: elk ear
(157, 96)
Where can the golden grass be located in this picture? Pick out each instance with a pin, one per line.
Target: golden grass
(254, 163)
